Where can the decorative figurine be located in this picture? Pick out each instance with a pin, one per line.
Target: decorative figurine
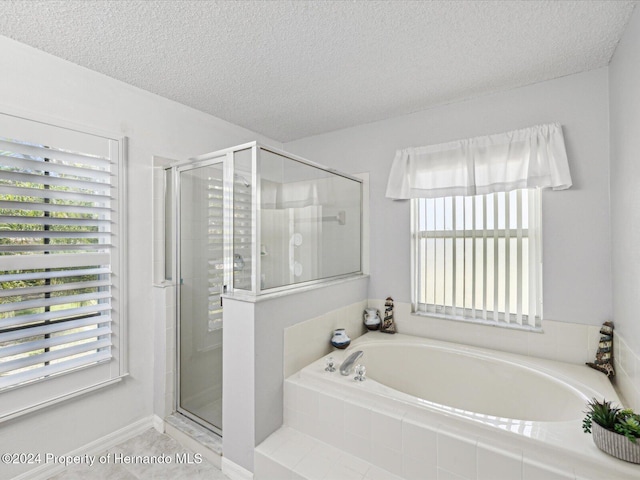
(388, 325)
(371, 318)
(340, 338)
(604, 355)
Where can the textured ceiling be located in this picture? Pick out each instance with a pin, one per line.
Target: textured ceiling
(290, 69)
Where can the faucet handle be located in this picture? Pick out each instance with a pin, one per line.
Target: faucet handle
(360, 371)
(329, 362)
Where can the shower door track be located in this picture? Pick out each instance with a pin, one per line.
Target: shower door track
(203, 423)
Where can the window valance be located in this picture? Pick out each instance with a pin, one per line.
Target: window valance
(527, 158)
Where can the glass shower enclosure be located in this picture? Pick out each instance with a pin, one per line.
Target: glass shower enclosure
(249, 220)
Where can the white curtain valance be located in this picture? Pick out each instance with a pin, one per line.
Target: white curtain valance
(527, 158)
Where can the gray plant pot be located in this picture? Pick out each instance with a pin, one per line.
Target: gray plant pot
(615, 444)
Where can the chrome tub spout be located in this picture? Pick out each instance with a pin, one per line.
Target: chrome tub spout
(347, 365)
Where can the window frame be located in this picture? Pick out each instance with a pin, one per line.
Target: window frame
(465, 314)
(38, 393)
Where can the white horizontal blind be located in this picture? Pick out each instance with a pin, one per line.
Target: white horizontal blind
(478, 257)
(58, 222)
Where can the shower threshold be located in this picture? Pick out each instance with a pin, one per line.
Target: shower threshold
(195, 437)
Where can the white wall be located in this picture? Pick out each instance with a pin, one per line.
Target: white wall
(45, 85)
(577, 278)
(624, 97)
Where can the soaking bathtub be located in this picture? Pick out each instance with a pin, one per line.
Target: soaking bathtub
(523, 409)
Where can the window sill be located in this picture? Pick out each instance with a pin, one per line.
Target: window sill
(61, 398)
(487, 323)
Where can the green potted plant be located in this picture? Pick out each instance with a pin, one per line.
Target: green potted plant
(614, 430)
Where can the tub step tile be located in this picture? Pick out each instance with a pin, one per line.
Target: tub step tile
(291, 452)
(446, 475)
(375, 473)
(318, 462)
(267, 468)
(288, 454)
(343, 473)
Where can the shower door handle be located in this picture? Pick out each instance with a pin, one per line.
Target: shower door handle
(224, 290)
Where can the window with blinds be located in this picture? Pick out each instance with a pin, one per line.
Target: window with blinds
(478, 258)
(60, 252)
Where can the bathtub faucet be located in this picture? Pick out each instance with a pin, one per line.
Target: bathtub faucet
(347, 365)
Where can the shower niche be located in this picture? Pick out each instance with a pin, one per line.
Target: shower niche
(248, 220)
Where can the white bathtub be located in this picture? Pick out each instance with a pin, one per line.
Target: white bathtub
(528, 410)
(477, 381)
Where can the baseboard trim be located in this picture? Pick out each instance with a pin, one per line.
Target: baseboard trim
(43, 472)
(158, 423)
(235, 471)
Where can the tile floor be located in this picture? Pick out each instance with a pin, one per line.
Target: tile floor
(152, 445)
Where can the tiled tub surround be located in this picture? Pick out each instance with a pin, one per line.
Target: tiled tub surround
(566, 342)
(394, 434)
(563, 341)
(309, 340)
(627, 380)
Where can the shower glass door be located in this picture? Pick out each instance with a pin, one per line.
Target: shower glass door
(201, 271)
